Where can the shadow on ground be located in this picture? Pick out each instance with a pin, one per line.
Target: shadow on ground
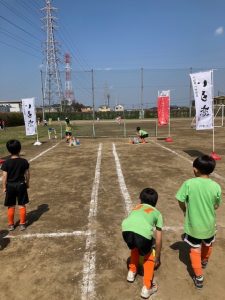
(3, 240)
(184, 257)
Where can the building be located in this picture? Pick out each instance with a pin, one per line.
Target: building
(86, 109)
(119, 108)
(104, 108)
(10, 105)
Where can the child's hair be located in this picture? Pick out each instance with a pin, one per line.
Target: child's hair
(13, 146)
(138, 128)
(149, 196)
(205, 164)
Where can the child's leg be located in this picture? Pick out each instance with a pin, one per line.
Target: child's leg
(206, 252)
(148, 269)
(195, 256)
(11, 212)
(134, 259)
(22, 211)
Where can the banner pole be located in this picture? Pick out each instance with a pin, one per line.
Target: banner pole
(213, 112)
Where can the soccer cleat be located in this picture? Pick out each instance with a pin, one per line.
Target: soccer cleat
(204, 264)
(131, 276)
(22, 227)
(146, 293)
(198, 281)
(11, 227)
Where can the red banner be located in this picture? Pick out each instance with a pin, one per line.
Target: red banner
(163, 110)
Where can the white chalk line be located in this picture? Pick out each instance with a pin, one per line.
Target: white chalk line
(88, 281)
(122, 184)
(40, 154)
(185, 158)
(48, 235)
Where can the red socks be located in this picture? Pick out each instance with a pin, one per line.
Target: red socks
(11, 212)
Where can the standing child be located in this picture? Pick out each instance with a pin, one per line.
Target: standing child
(137, 231)
(142, 134)
(15, 181)
(198, 198)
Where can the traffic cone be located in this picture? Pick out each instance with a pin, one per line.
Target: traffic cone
(215, 156)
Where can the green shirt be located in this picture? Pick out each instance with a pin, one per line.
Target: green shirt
(142, 220)
(142, 132)
(200, 195)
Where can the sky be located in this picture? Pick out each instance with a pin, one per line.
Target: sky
(115, 38)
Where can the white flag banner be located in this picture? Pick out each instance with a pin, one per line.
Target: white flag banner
(203, 93)
(164, 93)
(29, 114)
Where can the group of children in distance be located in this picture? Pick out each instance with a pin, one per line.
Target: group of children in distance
(197, 197)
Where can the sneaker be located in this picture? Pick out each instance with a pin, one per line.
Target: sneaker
(22, 227)
(146, 293)
(131, 276)
(11, 227)
(198, 281)
(204, 264)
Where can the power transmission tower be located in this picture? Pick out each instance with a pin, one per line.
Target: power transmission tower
(53, 93)
(69, 94)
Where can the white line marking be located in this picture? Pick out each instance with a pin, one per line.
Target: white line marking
(88, 285)
(49, 235)
(40, 154)
(185, 158)
(122, 184)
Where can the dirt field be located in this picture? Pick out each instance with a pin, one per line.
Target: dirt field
(72, 247)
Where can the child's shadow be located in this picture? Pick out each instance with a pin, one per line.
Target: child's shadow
(184, 257)
(4, 241)
(34, 215)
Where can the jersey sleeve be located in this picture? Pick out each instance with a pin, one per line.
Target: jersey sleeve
(218, 199)
(4, 166)
(27, 165)
(159, 222)
(182, 193)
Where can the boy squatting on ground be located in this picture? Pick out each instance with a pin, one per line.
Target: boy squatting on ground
(142, 134)
(15, 181)
(198, 198)
(137, 230)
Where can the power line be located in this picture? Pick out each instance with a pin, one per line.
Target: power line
(22, 29)
(11, 46)
(19, 39)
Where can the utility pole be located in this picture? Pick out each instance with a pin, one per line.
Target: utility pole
(142, 91)
(53, 93)
(93, 101)
(190, 96)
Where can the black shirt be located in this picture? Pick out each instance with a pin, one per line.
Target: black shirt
(15, 168)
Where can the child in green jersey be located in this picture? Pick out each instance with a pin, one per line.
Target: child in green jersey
(137, 231)
(142, 134)
(198, 198)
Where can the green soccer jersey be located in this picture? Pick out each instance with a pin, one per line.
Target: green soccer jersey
(142, 132)
(200, 195)
(142, 220)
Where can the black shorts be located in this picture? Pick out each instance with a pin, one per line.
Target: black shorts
(196, 243)
(16, 191)
(138, 241)
(68, 133)
(144, 136)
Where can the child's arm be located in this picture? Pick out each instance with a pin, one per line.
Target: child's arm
(182, 206)
(4, 181)
(27, 177)
(158, 246)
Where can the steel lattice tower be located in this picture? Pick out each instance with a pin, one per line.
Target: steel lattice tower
(52, 93)
(69, 94)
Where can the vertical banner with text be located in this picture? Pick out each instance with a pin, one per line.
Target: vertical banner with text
(203, 93)
(29, 114)
(163, 107)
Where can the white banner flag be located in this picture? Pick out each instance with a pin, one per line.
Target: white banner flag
(202, 86)
(29, 114)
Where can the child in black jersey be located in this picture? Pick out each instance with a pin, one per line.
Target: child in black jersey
(15, 181)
